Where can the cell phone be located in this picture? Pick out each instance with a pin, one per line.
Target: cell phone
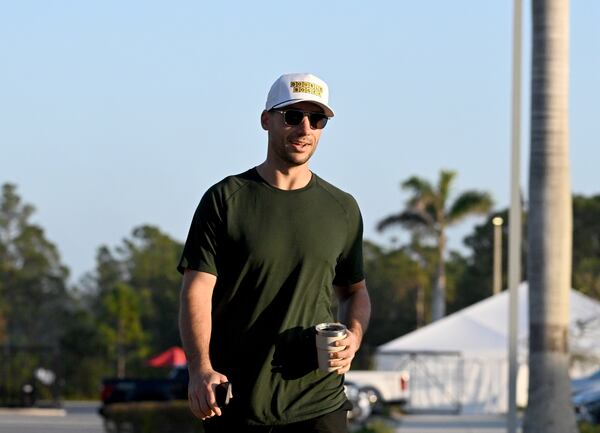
(223, 394)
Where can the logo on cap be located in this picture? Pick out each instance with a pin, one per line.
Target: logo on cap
(306, 87)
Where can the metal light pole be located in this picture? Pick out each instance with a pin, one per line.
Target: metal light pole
(514, 218)
(497, 222)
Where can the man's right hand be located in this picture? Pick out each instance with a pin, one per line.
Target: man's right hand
(201, 393)
(195, 328)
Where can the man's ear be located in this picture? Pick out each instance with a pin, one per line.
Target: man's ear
(264, 120)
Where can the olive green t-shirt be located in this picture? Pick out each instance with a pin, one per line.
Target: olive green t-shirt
(276, 255)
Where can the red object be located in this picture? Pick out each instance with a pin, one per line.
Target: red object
(107, 391)
(173, 357)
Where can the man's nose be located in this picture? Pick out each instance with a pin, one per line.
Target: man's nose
(304, 124)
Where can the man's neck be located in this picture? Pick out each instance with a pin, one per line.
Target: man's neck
(288, 178)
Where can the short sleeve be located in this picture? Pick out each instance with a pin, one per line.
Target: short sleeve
(349, 269)
(202, 243)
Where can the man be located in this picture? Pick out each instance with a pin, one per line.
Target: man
(266, 251)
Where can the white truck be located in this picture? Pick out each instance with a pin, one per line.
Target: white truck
(382, 387)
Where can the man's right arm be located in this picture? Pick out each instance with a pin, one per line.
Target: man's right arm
(195, 326)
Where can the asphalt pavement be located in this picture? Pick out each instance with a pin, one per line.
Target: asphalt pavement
(451, 424)
(76, 417)
(82, 417)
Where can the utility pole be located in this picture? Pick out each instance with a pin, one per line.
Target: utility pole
(514, 220)
(497, 222)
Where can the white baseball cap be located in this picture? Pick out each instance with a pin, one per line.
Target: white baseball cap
(292, 88)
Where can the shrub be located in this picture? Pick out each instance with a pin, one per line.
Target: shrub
(151, 417)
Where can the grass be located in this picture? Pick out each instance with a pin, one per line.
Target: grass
(585, 427)
(376, 425)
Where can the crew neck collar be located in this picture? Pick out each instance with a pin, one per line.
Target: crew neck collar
(311, 182)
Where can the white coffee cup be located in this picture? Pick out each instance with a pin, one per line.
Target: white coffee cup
(327, 335)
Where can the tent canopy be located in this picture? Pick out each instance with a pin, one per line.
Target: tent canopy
(460, 362)
(172, 357)
(482, 328)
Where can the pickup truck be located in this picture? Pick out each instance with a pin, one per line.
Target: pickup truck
(173, 387)
(382, 387)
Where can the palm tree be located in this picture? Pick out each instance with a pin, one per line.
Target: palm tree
(427, 214)
(550, 224)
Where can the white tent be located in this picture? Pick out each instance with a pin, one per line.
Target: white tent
(460, 363)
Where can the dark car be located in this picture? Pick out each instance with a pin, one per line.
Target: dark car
(578, 385)
(586, 397)
(173, 387)
(587, 404)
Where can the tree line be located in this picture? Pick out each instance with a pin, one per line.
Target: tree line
(125, 309)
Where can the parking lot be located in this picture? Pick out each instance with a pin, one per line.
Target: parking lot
(77, 417)
(451, 424)
(81, 417)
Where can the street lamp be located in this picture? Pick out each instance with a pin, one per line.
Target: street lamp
(497, 222)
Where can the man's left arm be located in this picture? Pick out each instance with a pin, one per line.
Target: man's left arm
(354, 311)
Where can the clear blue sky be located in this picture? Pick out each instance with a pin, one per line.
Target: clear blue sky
(115, 114)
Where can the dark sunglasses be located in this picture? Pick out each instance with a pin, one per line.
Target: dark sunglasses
(295, 117)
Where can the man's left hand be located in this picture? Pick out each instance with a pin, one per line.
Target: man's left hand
(343, 358)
